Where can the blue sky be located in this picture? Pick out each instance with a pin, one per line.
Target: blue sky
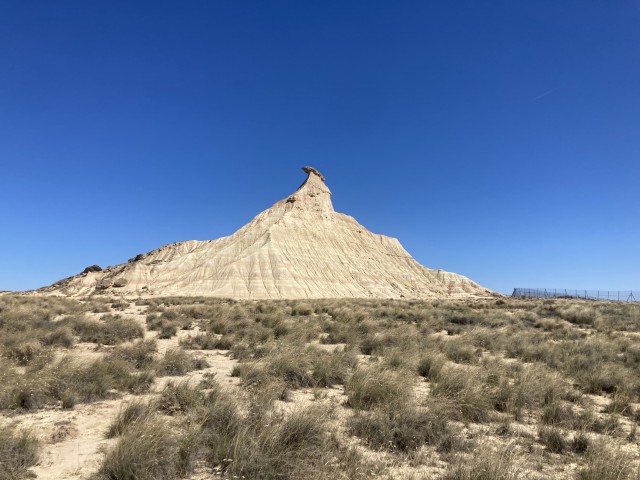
(499, 139)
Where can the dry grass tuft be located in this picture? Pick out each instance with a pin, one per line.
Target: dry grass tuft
(544, 388)
(130, 415)
(370, 387)
(485, 464)
(18, 451)
(178, 362)
(400, 430)
(605, 461)
(109, 330)
(149, 449)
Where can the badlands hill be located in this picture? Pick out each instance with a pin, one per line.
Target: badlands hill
(298, 248)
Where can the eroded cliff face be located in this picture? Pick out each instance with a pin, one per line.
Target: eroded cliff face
(298, 248)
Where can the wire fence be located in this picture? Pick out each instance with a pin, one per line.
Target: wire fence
(602, 295)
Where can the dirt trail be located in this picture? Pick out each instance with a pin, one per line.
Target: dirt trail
(74, 440)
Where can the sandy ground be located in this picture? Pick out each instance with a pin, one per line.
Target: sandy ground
(74, 440)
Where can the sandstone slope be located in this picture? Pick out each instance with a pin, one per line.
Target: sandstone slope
(298, 248)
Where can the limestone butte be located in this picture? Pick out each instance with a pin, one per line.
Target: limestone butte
(298, 248)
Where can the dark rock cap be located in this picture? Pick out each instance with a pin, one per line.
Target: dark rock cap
(309, 170)
(92, 268)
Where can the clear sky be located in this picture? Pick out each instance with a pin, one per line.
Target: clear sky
(500, 140)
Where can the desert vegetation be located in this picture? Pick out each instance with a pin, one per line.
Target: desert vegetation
(471, 389)
(18, 452)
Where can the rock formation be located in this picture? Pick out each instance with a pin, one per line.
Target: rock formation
(298, 248)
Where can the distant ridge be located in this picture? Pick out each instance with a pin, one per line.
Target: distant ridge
(298, 248)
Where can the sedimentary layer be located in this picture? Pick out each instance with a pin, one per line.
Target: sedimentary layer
(298, 248)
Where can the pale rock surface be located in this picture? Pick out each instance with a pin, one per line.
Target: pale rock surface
(298, 248)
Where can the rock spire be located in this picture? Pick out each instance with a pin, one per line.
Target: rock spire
(298, 248)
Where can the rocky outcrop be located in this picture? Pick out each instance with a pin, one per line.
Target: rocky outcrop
(298, 248)
(92, 268)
